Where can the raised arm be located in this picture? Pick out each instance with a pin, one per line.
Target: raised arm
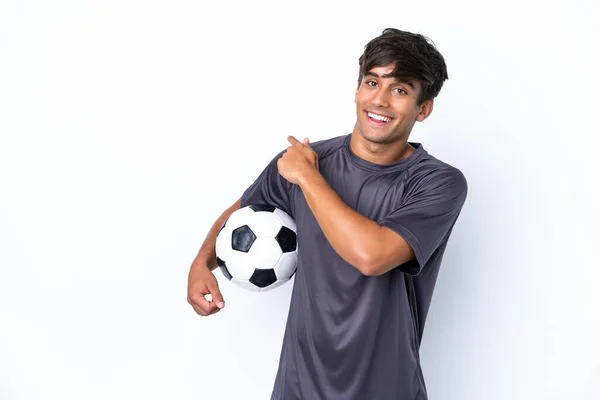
(411, 232)
(360, 241)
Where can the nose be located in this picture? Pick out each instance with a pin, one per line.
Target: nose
(380, 99)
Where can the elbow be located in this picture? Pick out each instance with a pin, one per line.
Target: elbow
(377, 264)
(369, 271)
(368, 266)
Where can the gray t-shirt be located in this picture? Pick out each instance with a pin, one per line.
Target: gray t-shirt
(349, 336)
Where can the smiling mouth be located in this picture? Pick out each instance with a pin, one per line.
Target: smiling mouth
(378, 119)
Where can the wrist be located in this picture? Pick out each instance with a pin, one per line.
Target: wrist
(201, 263)
(309, 176)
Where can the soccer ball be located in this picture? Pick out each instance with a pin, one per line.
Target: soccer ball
(257, 247)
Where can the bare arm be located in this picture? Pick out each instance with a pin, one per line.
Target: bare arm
(206, 256)
(371, 248)
(201, 279)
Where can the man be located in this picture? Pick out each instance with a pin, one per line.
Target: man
(374, 213)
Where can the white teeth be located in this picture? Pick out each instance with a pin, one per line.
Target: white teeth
(379, 117)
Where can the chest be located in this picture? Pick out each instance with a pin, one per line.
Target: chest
(372, 195)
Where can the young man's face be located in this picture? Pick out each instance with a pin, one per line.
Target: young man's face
(387, 109)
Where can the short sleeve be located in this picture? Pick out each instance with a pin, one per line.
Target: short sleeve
(426, 217)
(269, 188)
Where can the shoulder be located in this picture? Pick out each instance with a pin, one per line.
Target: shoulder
(432, 174)
(323, 148)
(328, 146)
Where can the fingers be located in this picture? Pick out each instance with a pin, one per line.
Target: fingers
(202, 305)
(217, 297)
(292, 140)
(205, 308)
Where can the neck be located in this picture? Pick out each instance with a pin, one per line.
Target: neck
(380, 153)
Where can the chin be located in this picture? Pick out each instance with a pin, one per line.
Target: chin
(378, 137)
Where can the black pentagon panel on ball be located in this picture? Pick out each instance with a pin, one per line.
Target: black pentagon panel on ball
(263, 277)
(223, 268)
(286, 239)
(262, 207)
(242, 238)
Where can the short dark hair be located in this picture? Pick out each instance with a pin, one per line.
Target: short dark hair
(414, 57)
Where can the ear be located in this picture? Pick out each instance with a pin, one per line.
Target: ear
(356, 92)
(425, 110)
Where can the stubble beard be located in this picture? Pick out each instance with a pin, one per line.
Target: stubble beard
(383, 138)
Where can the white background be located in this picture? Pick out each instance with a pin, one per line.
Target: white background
(128, 126)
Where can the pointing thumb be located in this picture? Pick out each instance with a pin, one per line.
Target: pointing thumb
(306, 141)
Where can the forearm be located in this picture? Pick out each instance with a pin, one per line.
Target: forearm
(352, 235)
(207, 254)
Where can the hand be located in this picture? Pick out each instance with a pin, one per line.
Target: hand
(201, 281)
(298, 160)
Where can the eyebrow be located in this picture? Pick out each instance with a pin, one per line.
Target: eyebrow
(407, 82)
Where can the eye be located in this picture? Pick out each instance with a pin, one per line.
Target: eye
(400, 91)
(371, 83)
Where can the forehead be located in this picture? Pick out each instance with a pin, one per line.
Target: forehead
(386, 70)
